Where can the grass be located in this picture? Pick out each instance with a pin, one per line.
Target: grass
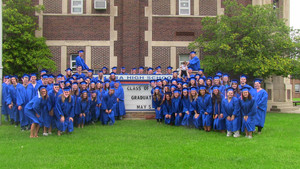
(146, 144)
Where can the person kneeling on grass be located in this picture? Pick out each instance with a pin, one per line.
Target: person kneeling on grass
(248, 110)
(167, 109)
(157, 100)
(64, 111)
(35, 108)
(109, 105)
(83, 108)
(177, 107)
(187, 117)
(231, 111)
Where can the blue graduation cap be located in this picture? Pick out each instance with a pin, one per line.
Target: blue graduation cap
(44, 76)
(133, 68)
(94, 91)
(169, 67)
(202, 70)
(60, 75)
(91, 70)
(219, 73)
(33, 74)
(190, 68)
(92, 82)
(150, 68)
(258, 80)
(68, 69)
(152, 81)
(61, 82)
(66, 89)
(67, 82)
(123, 68)
(75, 83)
(141, 67)
(216, 77)
(185, 89)
(177, 91)
(197, 75)
(214, 87)
(44, 71)
(229, 89)
(6, 77)
(158, 67)
(51, 76)
(157, 88)
(185, 83)
(192, 52)
(209, 77)
(114, 68)
(202, 78)
(158, 80)
(98, 81)
(104, 68)
(83, 83)
(26, 75)
(15, 76)
(81, 51)
(168, 93)
(173, 86)
(234, 81)
(100, 71)
(226, 75)
(106, 81)
(193, 89)
(55, 84)
(192, 78)
(42, 87)
(84, 91)
(202, 87)
(245, 88)
(174, 80)
(179, 82)
(244, 76)
(112, 73)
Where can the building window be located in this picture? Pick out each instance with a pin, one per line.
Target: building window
(184, 7)
(73, 61)
(77, 7)
(297, 88)
(182, 58)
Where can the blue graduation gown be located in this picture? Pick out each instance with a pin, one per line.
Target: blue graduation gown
(219, 123)
(24, 95)
(65, 109)
(109, 103)
(157, 103)
(187, 118)
(36, 106)
(193, 109)
(94, 109)
(177, 108)
(4, 95)
(120, 106)
(229, 109)
(248, 108)
(195, 63)
(167, 109)
(100, 96)
(83, 108)
(12, 98)
(205, 105)
(80, 62)
(53, 99)
(261, 98)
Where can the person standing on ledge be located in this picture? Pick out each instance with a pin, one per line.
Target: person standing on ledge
(80, 61)
(194, 62)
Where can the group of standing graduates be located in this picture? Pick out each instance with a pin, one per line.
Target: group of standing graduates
(62, 101)
(208, 103)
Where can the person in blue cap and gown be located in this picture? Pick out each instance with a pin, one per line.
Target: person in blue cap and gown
(80, 61)
(36, 107)
(231, 112)
(261, 98)
(167, 109)
(109, 105)
(248, 111)
(123, 71)
(83, 109)
(205, 108)
(219, 119)
(157, 100)
(120, 105)
(95, 106)
(64, 111)
(50, 122)
(24, 95)
(11, 101)
(169, 70)
(5, 85)
(177, 107)
(194, 107)
(42, 72)
(187, 117)
(194, 62)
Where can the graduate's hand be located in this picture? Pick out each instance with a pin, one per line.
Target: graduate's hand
(83, 114)
(158, 108)
(228, 118)
(106, 111)
(62, 119)
(206, 113)
(180, 114)
(216, 116)
(117, 99)
(51, 112)
(221, 116)
(19, 108)
(37, 115)
(167, 116)
(196, 115)
(187, 112)
(175, 114)
(245, 118)
(71, 119)
(232, 117)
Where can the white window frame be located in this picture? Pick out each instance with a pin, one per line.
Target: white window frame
(73, 61)
(181, 58)
(77, 6)
(180, 7)
(298, 87)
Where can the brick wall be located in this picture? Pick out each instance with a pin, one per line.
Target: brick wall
(161, 7)
(161, 57)
(73, 50)
(100, 57)
(244, 2)
(162, 31)
(101, 11)
(76, 28)
(208, 8)
(53, 6)
(56, 52)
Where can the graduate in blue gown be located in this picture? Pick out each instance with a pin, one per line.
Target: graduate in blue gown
(5, 85)
(248, 111)
(219, 119)
(95, 106)
(235, 86)
(187, 117)
(197, 120)
(194, 63)
(120, 106)
(177, 107)
(50, 122)
(167, 109)
(80, 61)
(83, 109)
(24, 95)
(261, 98)
(157, 100)
(33, 81)
(100, 95)
(35, 109)
(205, 108)
(64, 111)
(109, 105)
(11, 101)
(231, 111)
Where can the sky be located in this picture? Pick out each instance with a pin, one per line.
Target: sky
(295, 14)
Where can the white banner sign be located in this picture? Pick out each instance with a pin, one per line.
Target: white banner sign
(137, 97)
(139, 77)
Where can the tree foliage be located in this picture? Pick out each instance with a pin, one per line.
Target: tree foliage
(252, 40)
(22, 51)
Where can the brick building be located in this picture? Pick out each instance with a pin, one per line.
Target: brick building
(128, 33)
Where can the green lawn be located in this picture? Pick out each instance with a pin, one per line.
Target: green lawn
(146, 144)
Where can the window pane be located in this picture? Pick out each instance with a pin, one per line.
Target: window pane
(76, 3)
(74, 57)
(297, 87)
(77, 10)
(184, 4)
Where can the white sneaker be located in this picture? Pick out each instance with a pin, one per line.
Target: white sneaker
(236, 134)
(250, 137)
(229, 133)
(49, 133)
(45, 134)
